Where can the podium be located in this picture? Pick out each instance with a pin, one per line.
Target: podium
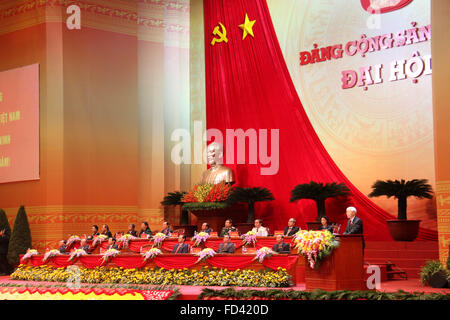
(342, 270)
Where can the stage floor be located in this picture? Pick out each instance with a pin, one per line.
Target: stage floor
(192, 292)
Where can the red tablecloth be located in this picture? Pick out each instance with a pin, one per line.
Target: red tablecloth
(170, 261)
(168, 244)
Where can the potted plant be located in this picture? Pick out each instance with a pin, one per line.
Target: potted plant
(318, 192)
(250, 196)
(174, 199)
(402, 229)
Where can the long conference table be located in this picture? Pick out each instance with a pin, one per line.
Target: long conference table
(139, 245)
(343, 269)
(179, 261)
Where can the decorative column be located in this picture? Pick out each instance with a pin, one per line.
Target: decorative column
(440, 10)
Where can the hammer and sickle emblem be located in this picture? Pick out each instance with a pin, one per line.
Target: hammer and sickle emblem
(222, 34)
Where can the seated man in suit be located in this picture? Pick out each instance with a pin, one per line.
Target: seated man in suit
(228, 228)
(106, 231)
(63, 247)
(259, 229)
(181, 247)
(112, 244)
(166, 229)
(280, 246)
(354, 224)
(94, 232)
(132, 230)
(226, 246)
(206, 228)
(291, 229)
(85, 246)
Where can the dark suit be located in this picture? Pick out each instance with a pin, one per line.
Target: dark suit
(329, 228)
(226, 231)
(167, 232)
(146, 231)
(355, 227)
(93, 235)
(208, 231)
(281, 248)
(226, 247)
(4, 266)
(63, 249)
(108, 234)
(184, 248)
(290, 233)
(86, 248)
(132, 232)
(113, 246)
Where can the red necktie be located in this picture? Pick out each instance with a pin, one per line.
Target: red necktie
(178, 248)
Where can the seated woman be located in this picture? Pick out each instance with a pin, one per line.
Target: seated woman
(145, 229)
(131, 230)
(94, 232)
(325, 224)
(105, 231)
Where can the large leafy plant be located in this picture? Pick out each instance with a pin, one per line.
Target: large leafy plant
(319, 192)
(250, 196)
(402, 190)
(174, 199)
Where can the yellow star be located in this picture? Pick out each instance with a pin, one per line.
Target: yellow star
(247, 27)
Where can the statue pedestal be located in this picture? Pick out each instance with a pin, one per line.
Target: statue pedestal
(216, 218)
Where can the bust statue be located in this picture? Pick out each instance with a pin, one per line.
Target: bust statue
(217, 172)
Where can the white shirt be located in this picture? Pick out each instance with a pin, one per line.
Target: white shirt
(260, 232)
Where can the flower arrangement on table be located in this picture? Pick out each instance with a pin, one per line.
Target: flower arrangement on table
(263, 253)
(72, 239)
(249, 238)
(125, 239)
(76, 254)
(108, 254)
(51, 253)
(207, 196)
(29, 254)
(99, 239)
(150, 254)
(158, 239)
(205, 254)
(315, 245)
(200, 238)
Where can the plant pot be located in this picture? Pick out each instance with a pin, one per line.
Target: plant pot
(313, 225)
(439, 280)
(403, 230)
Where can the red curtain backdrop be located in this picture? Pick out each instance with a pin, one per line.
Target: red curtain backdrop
(248, 86)
(126, 261)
